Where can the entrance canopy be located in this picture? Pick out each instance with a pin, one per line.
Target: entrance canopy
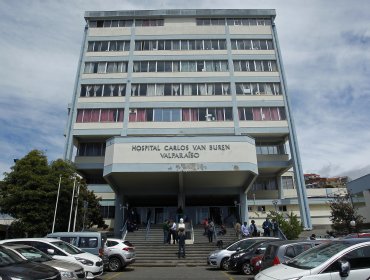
(196, 165)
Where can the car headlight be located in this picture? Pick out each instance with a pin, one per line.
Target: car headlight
(66, 274)
(238, 255)
(213, 255)
(84, 261)
(258, 263)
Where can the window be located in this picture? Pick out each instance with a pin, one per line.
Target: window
(287, 182)
(282, 208)
(262, 114)
(182, 66)
(110, 23)
(88, 242)
(255, 66)
(261, 208)
(105, 67)
(99, 115)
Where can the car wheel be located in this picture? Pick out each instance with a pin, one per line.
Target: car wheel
(114, 264)
(224, 264)
(247, 269)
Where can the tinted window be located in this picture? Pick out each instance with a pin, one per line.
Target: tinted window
(111, 243)
(45, 246)
(33, 254)
(359, 258)
(67, 247)
(7, 257)
(88, 242)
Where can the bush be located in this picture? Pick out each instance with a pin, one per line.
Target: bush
(289, 225)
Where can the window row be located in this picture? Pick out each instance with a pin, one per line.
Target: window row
(178, 114)
(181, 66)
(180, 89)
(248, 44)
(125, 23)
(262, 113)
(105, 46)
(234, 21)
(258, 89)
(153, 45)
(91, 149)
(105, 67)
(265, 184)
(99, 115)
(255, 65)
(103, 90)
(270, 149)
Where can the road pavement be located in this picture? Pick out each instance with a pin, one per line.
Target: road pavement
(176, 273)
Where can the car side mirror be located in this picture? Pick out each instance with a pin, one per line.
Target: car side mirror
(51, 251)
(344, 268)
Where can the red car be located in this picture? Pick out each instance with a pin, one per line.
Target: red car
(358, 235)
(256, 263)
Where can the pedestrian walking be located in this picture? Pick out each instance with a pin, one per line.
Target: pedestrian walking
(173, 230)
(253, 229)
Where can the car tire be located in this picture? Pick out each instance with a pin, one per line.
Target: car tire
(224, 265)
(247, 268)
(114, 264)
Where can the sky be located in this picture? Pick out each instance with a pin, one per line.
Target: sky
(325, 47)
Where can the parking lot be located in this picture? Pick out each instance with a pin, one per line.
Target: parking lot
(197, 272)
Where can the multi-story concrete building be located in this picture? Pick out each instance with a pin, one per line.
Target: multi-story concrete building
(184, 108)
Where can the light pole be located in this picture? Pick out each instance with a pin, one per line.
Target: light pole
(56, 204)
(74, 222)
(70, 212)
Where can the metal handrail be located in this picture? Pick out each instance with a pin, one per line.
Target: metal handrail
(147, 230)
(124, 231)
(282, 233)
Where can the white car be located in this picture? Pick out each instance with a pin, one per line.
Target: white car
(219, 258)
(347, 259)
(120, 253)
(60, 250)
(68, 270)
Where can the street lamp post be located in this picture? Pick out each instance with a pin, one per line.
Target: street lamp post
(70, 212)
(56, 204)
(275, 202)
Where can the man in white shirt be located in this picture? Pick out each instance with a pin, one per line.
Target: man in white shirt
(245, 231)
(173, 230)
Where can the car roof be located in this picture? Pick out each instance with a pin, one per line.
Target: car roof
(287, 242)
(42, 239)
(352, 240)
(16, 245)
(115, 239)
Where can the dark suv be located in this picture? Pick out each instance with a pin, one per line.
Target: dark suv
(282, 251)
(13, 266)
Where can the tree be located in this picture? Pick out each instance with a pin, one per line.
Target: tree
(289, 225)
(342, 213)
(29, 192)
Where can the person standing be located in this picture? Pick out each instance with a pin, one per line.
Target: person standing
(181, 240)
(166, 230)
(245, 231)
(275, 228)
(237, 228)
(253, 229)
(173, 230)
(210, 232)
(267, 227)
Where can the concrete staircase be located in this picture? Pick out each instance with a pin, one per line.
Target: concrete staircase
(152, 252)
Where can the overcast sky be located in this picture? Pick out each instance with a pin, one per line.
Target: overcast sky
(326, 55)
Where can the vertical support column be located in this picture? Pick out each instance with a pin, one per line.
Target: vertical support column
(181, 195)
(244, 208)
(293, 143)
(118, 215)
(279, 180)
(68, 148)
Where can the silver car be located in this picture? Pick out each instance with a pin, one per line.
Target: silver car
(219, 258)
(68, 270)
(120, 253)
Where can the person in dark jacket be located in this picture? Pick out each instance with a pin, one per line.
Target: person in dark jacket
(181, 240)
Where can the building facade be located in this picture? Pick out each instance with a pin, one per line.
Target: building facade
(184, 111)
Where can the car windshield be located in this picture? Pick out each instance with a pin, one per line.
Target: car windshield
(318, 255)
(33, 254)
(67, 247)
(243, 244)
(7, 257)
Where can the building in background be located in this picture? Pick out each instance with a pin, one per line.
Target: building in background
(184, 112)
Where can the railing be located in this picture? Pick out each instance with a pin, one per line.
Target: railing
(281, 234)
(147, 230)
(124, 231)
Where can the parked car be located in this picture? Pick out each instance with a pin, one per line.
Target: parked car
(219, 258)
(14, 267)
(347, 259)
(241, 261)
(60, 250)
(282, 251)
(66, 269)
(256, 262)
(120, 253)
(358, 235)
(89, 241)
